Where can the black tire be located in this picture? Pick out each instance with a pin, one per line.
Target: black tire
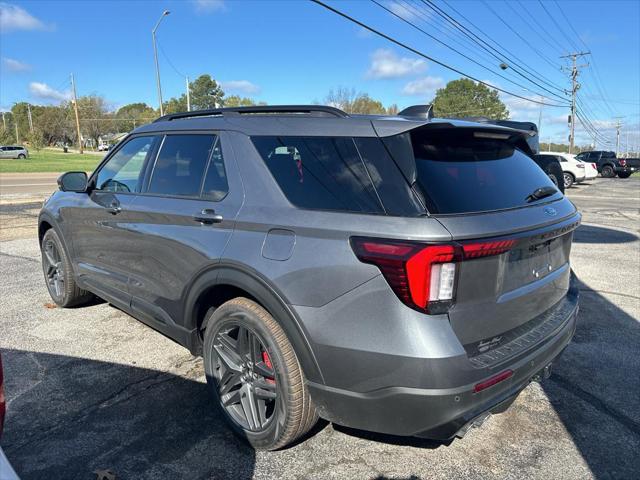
(569, 179)
(624, 174)
(554, 179)
(243, 380)
(608, 171)
(58, 273)
(22, 156)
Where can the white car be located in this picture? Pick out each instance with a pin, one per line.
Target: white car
(590, 169)
(13, 151)
(574, 171)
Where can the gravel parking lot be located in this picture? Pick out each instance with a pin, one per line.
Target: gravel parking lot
(93, 389)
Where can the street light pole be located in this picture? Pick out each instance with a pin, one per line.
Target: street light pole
(155, 56)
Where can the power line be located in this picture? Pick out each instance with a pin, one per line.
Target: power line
(419, 53)
(562, 30)
(166, 57)
(501, 56)
(455, 50)
(506, 24)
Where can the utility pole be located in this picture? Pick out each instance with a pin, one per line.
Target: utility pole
(618, 125)
(188, 95)
(574, 90)
(540, 120)
(29, 116)
(75, 107)
(155, 57)
(17, 136)
(4, 122)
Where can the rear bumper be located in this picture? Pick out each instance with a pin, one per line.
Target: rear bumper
(440, 414)
(627, 169)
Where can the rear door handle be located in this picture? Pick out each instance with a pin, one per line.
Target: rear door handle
(208, 216)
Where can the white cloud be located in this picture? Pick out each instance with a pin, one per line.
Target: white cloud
(209, 6)
(45, 92)
(13, 65)
(386, 64)
(407, 13)
(244, 86)
(423, 87)
(13, 17)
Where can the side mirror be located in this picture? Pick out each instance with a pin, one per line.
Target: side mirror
(73, 182)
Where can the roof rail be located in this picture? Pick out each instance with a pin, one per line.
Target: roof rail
(260, 109)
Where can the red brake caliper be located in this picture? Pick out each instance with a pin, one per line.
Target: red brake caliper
(267, 361)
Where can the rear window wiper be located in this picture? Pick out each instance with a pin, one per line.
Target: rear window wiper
(540, 193)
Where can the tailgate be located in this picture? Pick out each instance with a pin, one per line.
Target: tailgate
(499, 294)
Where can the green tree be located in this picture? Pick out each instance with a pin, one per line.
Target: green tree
(237, 101)
(466, 98)
(205, 93)
(35, 139)
(133, 115)
(348, 100)
(20, 116)
(95, 120)
(175, 105)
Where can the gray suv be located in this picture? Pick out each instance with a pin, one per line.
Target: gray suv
(395, 274)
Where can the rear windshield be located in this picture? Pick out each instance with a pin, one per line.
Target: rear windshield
(458, 172)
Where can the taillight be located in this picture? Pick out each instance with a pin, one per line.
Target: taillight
(594, 166)
(487, 249)
(2, 401)
(423, 276)
(622, 162)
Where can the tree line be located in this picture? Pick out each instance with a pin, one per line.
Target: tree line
(55, 124)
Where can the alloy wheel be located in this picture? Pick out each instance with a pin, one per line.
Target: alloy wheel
(568, 180)
(246, 377)
(54, 269)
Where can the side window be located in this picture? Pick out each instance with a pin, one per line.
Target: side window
(319, 173)
(123, 171)
(215, 183)
(180, 166)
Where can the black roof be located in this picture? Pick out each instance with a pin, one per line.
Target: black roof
(299, 120)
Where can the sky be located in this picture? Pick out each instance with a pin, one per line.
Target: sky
(294, 52)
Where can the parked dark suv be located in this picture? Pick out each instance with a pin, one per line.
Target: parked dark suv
(609, 165)
(384, 273)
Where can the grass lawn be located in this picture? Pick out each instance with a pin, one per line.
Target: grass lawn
(50, 161)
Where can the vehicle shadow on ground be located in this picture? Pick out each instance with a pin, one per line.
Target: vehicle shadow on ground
(595, 386)
(602, 235)
(94, 415)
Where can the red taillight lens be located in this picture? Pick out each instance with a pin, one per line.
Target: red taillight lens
(492, 381)
(423, 276)
(2, 400)
(487, 249)
(622, 162)
(594, 166)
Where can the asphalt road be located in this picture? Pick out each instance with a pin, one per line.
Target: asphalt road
(93, 389)
(18, 185)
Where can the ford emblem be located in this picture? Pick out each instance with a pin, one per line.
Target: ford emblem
(550, 211)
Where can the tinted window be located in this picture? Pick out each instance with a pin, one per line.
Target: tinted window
(320, 173)
(392, 186)
(608, 155)
(122, 172)
(460, 173)
(215, 183)
(180, 166)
